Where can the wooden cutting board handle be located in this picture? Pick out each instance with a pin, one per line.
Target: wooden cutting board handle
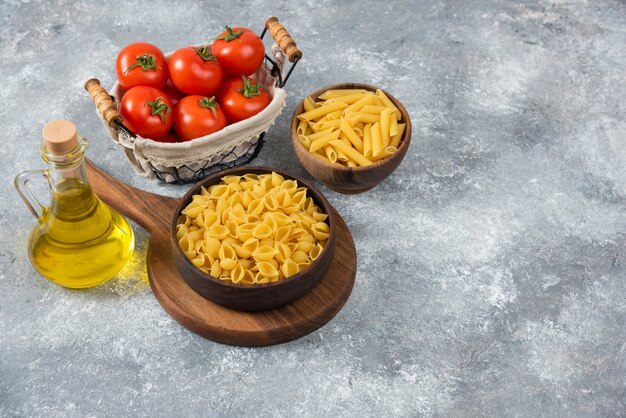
(149, 210)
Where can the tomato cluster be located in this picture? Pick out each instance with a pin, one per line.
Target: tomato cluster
(197, 91)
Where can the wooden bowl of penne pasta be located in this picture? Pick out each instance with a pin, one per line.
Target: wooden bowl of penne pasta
(253, 238)
(350, 136)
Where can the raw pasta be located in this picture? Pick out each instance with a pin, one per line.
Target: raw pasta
(351, 127)
(252, 229)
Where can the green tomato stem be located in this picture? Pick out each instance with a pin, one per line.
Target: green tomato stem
(145, 61)
(159, 108)
(230, 36)
(205, 54)
(248, 89)
(209, 103)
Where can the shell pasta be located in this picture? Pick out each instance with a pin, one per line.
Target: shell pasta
(252, 229)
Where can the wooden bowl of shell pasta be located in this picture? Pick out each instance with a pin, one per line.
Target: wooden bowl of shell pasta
(350, 136)
(253, 238)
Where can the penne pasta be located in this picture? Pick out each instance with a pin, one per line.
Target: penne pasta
(348, 127)
(366, 117)
(377, 102)
(324, 159)
(376, 141)
(384, 153)
(308, 104)
(319, 134)
(331, 154)
(393, 126)
(348, 99)
(395, 140)
(372, 109)
(384, 128)
(304, 141)
(367, 141)
(356, 106)
(351, 152)
(353, 118)
(318, 126)
(303, 126)
(334, 115)
(341, 156)
(321, 142)
(322, 111)
(388, 103)
(331, 124)
(331, 94)
(351, 135)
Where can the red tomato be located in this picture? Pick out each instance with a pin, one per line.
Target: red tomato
(141, 64)
(197, 116)
(195, 71)
(242, 98)
(239, 50)
(172, 93)
(169, 138)
(147, 112)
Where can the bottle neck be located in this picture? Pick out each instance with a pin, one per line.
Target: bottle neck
(73, 200)
(64, 178)
(67, 172)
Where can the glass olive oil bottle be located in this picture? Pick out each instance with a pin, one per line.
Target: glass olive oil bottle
(78, 241)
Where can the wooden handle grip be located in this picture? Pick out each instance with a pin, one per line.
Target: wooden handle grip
(283, 39)
(103, 101)
(153, 212)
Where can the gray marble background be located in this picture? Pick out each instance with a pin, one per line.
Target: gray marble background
(491, 265)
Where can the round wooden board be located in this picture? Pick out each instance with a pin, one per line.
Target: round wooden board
(269, 327)
(154, 213)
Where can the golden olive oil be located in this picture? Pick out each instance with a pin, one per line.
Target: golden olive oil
(80, 242)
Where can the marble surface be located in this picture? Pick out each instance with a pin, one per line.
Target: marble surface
(491, 264)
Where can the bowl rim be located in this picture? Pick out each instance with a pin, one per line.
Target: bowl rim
(406, 138)
(312, 191)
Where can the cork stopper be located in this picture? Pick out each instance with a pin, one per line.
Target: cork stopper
(59, 136)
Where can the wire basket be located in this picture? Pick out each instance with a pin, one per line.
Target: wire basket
(237, 144)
